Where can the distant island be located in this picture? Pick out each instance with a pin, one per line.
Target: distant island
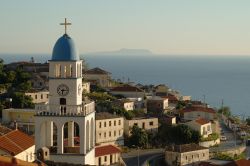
(123, 51)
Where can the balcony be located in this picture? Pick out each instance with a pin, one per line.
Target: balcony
(68, 110)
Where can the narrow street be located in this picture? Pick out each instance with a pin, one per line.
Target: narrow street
(131, 158)
(231, 141)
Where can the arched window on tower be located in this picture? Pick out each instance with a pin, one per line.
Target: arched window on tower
(62, 101)
(63, 105)
(65, 71)
(80, 70)
(71, 70)
(59, 71)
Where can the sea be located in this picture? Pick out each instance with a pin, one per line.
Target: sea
(210, 78)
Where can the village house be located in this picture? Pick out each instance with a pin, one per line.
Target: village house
(97, 76)
(128, 91)
(38, 96)
(17, 144)
(161, 90)
(149, 124)
(23, 117)
(169, 119)
(139, 103)
(185, 154)
(157, 105)
(86, 87)
(109, 129)
(201, 125)
(125, 103)
(194, 112)
(39, 82)
(107, 155)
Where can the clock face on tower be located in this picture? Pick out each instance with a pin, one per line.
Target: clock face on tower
(62, 90)
(79, 89)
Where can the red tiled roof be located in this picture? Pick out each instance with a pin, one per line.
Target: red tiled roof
(198, 109)
(242, 162)
(127, 88)
(201, 121)
(96, 70)
(15, 142)
(106, 150)
(11, 161)
(171, 98)
(4, 130)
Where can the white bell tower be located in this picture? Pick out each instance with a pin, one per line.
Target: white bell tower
(67, 126)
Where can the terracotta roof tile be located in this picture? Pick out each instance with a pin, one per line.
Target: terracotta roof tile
(127, 88)
(105, 115)
(15, 142)
(198, 109)
(201, 121)
(184, 148)
(11, 161)
(106, 150)
(4, 130)
(96, 71)
(242, 162)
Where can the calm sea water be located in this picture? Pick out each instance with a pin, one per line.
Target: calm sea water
(226, 78)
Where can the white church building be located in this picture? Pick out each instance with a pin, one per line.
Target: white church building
(67, 126)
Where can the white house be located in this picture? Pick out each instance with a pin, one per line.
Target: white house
(23, 117)
(186, 154)
(17, 144)
(38, 96)
(98, 76)
(201, 125)
(126, 104)
(109, 129)
(107, 155)
(192, 113)
(149, 124)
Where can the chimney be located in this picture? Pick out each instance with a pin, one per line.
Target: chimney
(15, 125)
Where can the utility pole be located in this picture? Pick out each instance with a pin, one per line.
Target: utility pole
(222, 104)
(138, 159)
(204, 99)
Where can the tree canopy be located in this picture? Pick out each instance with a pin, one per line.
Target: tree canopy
(179, 134)
(225, 111)
(138, 137)
(16, 83)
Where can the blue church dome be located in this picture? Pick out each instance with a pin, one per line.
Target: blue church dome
(64, 50)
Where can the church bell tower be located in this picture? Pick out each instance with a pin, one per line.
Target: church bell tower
(66, 126)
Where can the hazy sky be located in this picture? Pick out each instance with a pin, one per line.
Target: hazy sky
(162, 26)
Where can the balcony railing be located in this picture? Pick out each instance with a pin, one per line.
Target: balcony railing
(67, 110)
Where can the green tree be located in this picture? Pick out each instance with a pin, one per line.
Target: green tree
(248, 121)
(179, 134)
(20, 100)
(180, 105)
(11, 75)
(1, 65)
(138, 137)
(225, 111)
(99, 96)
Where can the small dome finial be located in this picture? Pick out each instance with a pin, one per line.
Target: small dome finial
(65, 25)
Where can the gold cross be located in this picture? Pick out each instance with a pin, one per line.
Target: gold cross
(65, 24)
